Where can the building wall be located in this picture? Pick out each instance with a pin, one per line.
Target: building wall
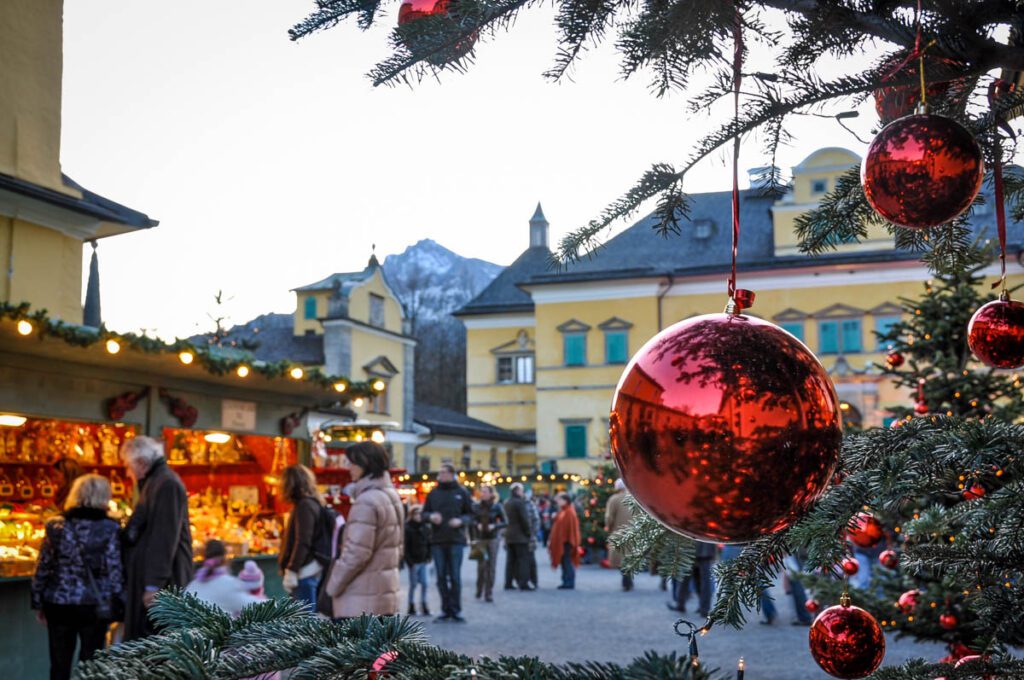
(367, 346)
(31, 51)
(511, 406)
(304, 325)
(446, 448)
(359, 304)
(46, 268)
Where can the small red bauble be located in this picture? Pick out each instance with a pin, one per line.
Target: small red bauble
(896, 101)
(379, 669)
(908, 601)
(725, 428)
(974, 491)
(866, 532)
(847, 641)
(920, 408)
(896, 423)
(894, 359)
(889, 559)
(850, 566)
(948, 621)
(411, 10)
(922, 171)
(996, 334)
(591, 540)
(812, 606)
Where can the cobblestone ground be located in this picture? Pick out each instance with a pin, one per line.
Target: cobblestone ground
(598, 621)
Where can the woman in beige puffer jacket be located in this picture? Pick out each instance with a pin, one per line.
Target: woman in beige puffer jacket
(365, 577)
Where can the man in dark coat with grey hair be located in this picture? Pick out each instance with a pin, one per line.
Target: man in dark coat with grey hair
(157, 539)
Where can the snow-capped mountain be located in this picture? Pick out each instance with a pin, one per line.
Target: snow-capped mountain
(432, 281)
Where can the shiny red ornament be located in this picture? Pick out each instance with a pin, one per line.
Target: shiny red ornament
(412, 10)
(725, 428)
(889, 559)
(996, 333)
(908, 601)
(920, 408)
(973, 492)
(812, 606)
(922, 171)
(894, 359)
(847, 641)
(850, 566)
(948, 621)
(896, 101)
(379, 669)
(866, 532)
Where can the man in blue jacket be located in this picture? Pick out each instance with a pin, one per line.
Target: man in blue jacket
(449, 509)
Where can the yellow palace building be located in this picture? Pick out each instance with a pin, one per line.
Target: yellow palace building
(545, 347)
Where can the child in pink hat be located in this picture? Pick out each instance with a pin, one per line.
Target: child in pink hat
(253, 576)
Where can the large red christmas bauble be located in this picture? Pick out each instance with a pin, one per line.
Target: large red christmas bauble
(948, 621)
(850, 565)
(866, 532)
(920, 408)
(896, 101)
(889, 559)
(411, 10)
(996, 334)
(922, 171)
(725, 428)
(847, 642)
(974, 492)
(908, 601)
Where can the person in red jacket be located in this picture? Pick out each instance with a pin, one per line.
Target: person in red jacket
(564, 543)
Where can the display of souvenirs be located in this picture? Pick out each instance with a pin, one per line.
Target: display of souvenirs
(46, 441)
(200, 448)
(226, 517)
(21, 533)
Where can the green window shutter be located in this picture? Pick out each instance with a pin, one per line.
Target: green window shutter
(883, 324)
(615, 347)
(576, 441)
(852, 336)
(828, 337)
(795, 328)
(310, 307)
(575, 349)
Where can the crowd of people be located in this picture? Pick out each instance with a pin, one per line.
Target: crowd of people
(93, 572)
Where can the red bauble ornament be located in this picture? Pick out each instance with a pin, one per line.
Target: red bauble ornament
(974, 491)
(725, 428)
(996, 333)
(922, 171)
(908, 601)
(411, 10)
(591, 540)
(948, 621)
(812, 606)
(866, 532)
(850, 566)
(379, 669)
(889, 559)
(894, 359)
(921, 408)
(846, 641)
(896, 101)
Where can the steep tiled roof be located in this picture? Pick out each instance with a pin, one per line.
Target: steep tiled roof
(274, 335)
(503, 293)
(90, 204)
(441, 420)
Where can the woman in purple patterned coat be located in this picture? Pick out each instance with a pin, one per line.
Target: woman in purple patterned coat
(79, 579)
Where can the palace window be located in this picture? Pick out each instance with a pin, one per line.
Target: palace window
(795, 328)
(883, 324)
(514, 369)
(574, 347)
(841, 336)
(309, 307)
(376, 310)
(379, 400)
(576, 440)
(819, 186)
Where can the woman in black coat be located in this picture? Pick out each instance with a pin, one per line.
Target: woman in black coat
(78, 584)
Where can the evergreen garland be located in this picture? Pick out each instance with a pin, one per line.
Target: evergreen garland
(209, 358)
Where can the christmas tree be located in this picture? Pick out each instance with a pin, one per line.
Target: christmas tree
(592, 498)
(929, 356)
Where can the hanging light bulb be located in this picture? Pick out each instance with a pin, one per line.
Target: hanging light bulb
(186, 357)
(217, 437)
(378, 385)
(340, 386)
(24, 327)
(296, 373)
(377, 436)
(113, 346)
(357, 402)
(242, 371)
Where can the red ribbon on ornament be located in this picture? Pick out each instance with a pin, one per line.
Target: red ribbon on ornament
(739, 299)
(997, 88)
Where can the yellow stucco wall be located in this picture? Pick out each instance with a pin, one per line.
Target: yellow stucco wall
(31, 55)
(824, 165)
(302, 324)
(359, 303)
(367, 346)
(641, 312)
(449, 449)
(512, 406)
(46, 268)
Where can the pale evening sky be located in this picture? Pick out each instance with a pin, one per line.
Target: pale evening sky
(271, 164)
